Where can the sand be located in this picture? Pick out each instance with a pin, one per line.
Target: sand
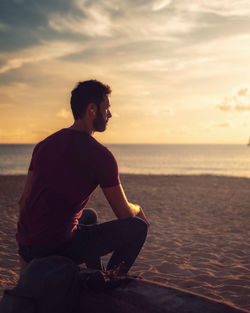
(198, 238)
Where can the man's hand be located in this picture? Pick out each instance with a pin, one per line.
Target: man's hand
(138, 212)
(142, 215)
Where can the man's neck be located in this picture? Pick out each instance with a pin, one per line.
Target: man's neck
(81, 126)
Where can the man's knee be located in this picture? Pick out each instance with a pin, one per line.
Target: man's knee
(139, 225)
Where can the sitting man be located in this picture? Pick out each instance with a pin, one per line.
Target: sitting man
(65, 169)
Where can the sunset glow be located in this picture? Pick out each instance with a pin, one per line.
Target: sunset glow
(179, 70)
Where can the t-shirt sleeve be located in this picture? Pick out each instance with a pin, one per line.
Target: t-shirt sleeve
(107, 170)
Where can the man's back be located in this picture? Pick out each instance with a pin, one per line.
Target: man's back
(66, 168)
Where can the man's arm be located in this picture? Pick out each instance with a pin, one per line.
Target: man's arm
(26, 191)
(120, 205)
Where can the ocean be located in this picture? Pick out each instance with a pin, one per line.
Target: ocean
(166, 159)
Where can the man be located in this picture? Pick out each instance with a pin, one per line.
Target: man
(65, 169)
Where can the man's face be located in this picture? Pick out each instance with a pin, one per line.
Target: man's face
(102, 116)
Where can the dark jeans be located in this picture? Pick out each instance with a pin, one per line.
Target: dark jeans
(124, 238)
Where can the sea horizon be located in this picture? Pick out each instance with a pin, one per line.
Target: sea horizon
(152, 159)
(140, 143)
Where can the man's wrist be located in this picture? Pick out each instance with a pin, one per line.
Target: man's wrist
(136, 208)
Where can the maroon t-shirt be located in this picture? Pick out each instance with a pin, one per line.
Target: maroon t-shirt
(67, 167)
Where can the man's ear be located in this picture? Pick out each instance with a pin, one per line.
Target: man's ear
(92, 109)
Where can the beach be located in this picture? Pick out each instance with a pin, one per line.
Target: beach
(198, 239)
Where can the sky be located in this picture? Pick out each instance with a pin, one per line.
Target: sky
(179, 70)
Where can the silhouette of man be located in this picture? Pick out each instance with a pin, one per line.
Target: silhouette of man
(65, 169)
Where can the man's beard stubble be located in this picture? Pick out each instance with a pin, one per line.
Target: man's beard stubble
(99, 122)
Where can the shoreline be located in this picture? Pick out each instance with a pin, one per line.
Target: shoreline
(157, 175)
(198, 239)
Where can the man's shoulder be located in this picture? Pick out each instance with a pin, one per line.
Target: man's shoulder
(65, 137)
(51, 136)
(100, 149)
(79, 142)
(59, 133)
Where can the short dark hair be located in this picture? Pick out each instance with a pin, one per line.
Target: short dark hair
(86, 92)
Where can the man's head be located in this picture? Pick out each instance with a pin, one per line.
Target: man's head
(90, 98)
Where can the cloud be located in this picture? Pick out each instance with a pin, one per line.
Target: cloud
(238, 101)
(224, 125)
(47, 51)
(224, 8)
(92, 23)
(161, 111)
(28, 23)
(116, 115)
(242, 92)
(25, 23)
(22, 135)
(160, 4)
(244, 124)
(104, 27)
(182, 130)
(168, 65)
(5, 106)
(168, 110)
(3, 26)
(64, 113)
